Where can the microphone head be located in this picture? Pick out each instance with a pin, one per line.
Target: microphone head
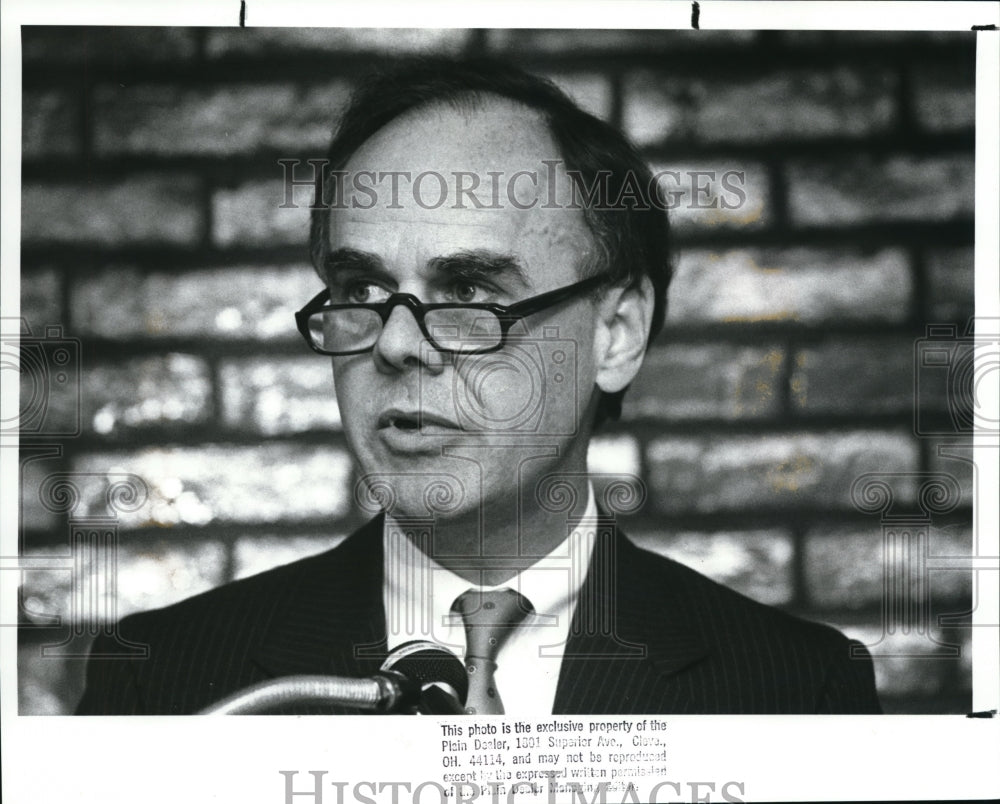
(429, 664)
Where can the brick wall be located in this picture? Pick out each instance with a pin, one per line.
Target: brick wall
(152, 234)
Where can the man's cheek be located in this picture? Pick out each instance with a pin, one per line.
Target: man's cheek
(499, 392)
(492, 383)
(351, 392)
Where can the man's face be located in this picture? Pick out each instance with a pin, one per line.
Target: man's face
(414, 416)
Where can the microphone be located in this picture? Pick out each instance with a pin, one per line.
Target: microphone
(444, 684)
(417, 676)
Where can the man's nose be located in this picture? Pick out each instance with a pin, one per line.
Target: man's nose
(402, 345)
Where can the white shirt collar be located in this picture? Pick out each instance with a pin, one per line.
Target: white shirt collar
(418, 594)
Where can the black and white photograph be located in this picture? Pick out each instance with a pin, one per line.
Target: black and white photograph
(550, 383)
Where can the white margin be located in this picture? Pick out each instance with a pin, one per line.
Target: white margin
(236, 760)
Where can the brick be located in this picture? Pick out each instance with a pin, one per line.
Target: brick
(757, 563)
(951, 280)
(615, 466)
(223, 120)
(35, 517)
(41, 299)
(699, 381)
(795, 104)
(948, 382)
(253, 555)
(242, 302)
(223, 484)
(113, 45)
(869, 189)
(259, 213)
(953, 456)
(46, 686)
(276, 396)
(614, 454)
(817, 39)
(166, 391)
(844, 567)
(591, 91)
(742, 473)
(854, 375)
(611, 42)
(159, 572)
(653, 113)
(806, 285)
(150, 573)
(46, 586)
(48, 363)
(301, 42)
(49, 124)
(728, 192)
(143, 208)
(912, 674)
(944, 94)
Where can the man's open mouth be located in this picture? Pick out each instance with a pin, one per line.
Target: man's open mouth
(413, 421)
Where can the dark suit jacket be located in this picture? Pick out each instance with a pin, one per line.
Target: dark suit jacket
(674, 642)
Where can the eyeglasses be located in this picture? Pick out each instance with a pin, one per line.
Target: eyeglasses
(349, 329)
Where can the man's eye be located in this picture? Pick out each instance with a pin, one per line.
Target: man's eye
(465, 292)
(468, 292)
(363, 292)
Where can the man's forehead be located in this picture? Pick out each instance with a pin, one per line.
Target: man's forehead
(415, 240)
(538, 245)
(487, 133)
(445, 178)
(475, 156)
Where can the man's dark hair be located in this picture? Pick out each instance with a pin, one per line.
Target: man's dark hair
(627, 221)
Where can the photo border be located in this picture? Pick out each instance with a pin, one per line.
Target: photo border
(778, 758)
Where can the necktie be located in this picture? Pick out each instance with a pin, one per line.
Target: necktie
(489, 618)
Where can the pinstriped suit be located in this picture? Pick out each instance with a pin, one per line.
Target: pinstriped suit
(649, 636)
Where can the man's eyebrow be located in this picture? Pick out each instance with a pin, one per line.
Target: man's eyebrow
(481, 264)
(350, 259)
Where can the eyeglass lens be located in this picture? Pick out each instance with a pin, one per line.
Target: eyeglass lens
(455, 329)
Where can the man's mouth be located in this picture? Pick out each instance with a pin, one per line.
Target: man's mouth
(412, 421)
(405, 424)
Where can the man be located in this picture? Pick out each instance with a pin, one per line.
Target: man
(496, 263)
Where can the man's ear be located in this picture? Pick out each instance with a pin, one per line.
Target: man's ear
(624, 316)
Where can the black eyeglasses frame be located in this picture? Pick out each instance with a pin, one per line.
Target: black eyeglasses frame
(508, 315)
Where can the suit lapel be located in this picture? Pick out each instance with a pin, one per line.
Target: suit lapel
(628, 635)
(331, 619)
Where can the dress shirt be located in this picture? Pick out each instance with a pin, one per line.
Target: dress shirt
(418, 594)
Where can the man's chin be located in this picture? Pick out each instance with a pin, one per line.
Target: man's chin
(412, 494)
